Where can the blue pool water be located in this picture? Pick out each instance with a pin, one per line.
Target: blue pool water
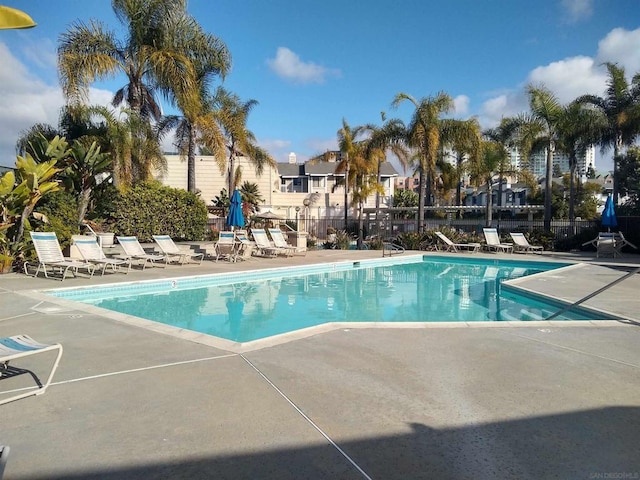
(246, 307)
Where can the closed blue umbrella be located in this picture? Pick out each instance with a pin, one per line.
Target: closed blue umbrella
(609, 219)
(235, 217)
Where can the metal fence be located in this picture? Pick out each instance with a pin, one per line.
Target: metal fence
(389, 228)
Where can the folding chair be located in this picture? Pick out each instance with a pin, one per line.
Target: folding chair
(50, 256)
(19, 346)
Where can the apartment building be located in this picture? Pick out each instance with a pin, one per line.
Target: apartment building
(312, 186)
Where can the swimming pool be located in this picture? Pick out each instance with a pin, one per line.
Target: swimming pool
(260, 304)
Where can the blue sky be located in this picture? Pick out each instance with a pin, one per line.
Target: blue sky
(312, 63)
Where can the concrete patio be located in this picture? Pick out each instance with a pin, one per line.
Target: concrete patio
(518, 401)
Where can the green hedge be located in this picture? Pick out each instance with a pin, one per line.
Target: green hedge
(152, 209)
(61, 209)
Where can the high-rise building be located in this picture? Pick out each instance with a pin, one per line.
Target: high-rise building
(537, 163)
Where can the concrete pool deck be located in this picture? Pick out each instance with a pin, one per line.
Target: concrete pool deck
(554, 401)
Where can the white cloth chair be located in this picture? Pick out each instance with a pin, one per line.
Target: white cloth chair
(226, 247)
(246, 246)
(280, 242)
(12, 348)
(263, 244)
(91, 252)
(134, 251)
(493, 241)
(50, 256)
(521, 244)
(450, 246)
(171, 251)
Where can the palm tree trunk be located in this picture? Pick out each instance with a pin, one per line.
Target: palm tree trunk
(231, 172)
(191, 161)
(572, 192)
(346, 191)
(360, 224)
(547, 187)
(616, 152)
(489, 204)
(459, 160)
(421, 199)
(83, 204)
(379, 178)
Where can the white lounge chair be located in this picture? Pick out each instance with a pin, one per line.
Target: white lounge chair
(263, 244)
(246, 247)
(12, 348)
(493, 241)
(609, 244)
(91, 252)
(450, 246)
(226, 247)
(4, 454)
(50, 256)
(280, 242)
(521, 244)
(171, 251)
(134, 251)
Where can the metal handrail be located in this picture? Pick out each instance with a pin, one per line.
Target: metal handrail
(591, 295)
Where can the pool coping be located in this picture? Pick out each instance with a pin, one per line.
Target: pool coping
(243, 347)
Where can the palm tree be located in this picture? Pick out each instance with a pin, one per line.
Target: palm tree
(83, 173)
(424, 135)
(88, 52)
(348, 147)
(232, 113)
(578, 129)
(388, 137)
(199, 124)
(538, 131)
(463, 136)
(621, 107)
(133, 145)
(483, 169)
(251, 198)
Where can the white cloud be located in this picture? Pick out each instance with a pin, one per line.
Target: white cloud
(569, 78)
(25, 100)
(288, 65)
(461, 105)
(577, 10)
(622, 47)
(321, 145)
(505, 104)
(278, 148)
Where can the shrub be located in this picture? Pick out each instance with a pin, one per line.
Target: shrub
(375, 244)
(343, 240)
(411, 240)
(151, 208)
(61, 209)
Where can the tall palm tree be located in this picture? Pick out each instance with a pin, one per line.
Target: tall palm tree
(349, 148)
(503, 135)
(464, 137)
(387, 137)
(621, 107)
(232, 114)
(198, 124)
(424, 135)
(538, 131)
(483, 169)
(578, 129)
(89, 51)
